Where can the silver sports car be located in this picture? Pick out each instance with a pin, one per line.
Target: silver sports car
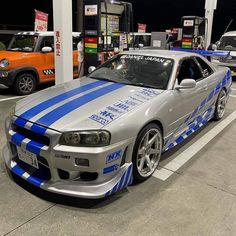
(93, 136)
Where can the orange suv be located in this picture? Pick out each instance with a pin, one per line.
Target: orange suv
(29, 61)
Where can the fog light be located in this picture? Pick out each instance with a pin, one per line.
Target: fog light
(3, 74)
(81, 162)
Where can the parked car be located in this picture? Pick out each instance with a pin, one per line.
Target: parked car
(227, 43)
(140, 40)
(93, 136)
(29, 61)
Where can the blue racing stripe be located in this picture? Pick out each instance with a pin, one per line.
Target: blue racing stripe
(34, 147)
(127, 177)
(17, 139)
(54, 100)
(65, 109)
(35, 181)
(17, 170)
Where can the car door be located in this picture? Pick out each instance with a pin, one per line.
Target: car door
(46, 64)
(186, 102)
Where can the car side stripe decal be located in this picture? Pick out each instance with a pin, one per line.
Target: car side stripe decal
(65, 109)
(54, 100)
(200, 119)
(125, 180)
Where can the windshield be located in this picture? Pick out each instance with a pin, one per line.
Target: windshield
(23, 43)
(137, 70)
(227, 43)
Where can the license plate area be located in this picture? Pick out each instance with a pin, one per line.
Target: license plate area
(28, 157)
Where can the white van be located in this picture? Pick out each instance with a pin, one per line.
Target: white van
(227, 43)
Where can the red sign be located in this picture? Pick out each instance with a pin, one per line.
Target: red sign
(58, 43)
(41, 21)
(142, 28)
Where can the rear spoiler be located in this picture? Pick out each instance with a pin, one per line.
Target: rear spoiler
(205, 53)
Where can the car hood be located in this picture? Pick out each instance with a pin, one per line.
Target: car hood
(82, 104)
(10, 55)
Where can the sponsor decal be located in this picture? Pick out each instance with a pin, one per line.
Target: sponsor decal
(146, 58)
(110, 169)
(117, 109)
(114, 156)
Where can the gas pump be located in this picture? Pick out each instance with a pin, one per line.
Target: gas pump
(107, 26)
(193, 32)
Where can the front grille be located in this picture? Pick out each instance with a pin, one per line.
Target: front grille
(31, 135)
(43, 161)
(41, 173)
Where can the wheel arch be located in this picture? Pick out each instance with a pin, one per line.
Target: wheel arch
(30, 70)
(157, 122)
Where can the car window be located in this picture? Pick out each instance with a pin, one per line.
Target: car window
(207, 70)
(189, 70)
(137, 70)
(47, 41)
(76, 40)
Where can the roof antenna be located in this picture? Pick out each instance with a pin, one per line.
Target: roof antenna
(228, 26)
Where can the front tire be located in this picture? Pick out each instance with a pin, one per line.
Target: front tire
(220, 105)
(25, 84)
(147, 152)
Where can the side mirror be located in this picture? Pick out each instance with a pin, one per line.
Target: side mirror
(186, 84)
(46, 49)
(214, 47)
(140, 45)
(91, 69)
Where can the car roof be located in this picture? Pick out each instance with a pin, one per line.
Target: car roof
(177, 55)
(230, 33)
(43, 33)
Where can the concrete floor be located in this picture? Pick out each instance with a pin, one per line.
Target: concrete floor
(197, 199)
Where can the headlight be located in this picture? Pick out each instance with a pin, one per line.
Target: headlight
(95, 138)
(4, 63)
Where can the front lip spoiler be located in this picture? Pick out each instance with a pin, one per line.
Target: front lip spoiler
(81, 189)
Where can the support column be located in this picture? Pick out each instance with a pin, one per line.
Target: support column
(80, 16)
(210, 6)
(62, 16)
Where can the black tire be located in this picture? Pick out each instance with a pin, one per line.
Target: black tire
(220, 105)
(137, 158)
(29, 81)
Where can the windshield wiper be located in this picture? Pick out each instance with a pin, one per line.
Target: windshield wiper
(105, 79)
(143, 85)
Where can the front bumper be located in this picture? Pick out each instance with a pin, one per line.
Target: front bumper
(6, 79)
(113, 173)
(121, 180)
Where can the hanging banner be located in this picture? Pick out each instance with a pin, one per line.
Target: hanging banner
(142, 28)
(41, 21)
